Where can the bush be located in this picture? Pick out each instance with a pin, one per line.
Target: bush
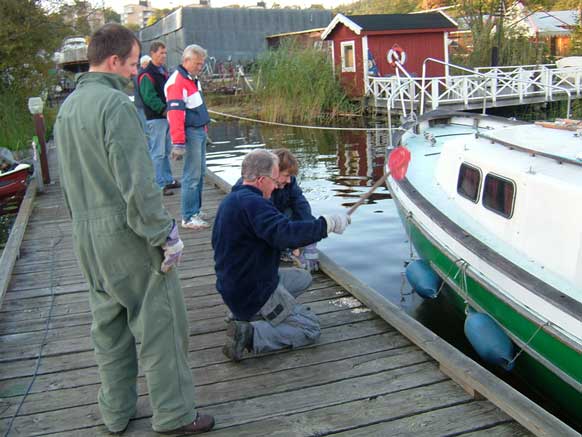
(298, 85)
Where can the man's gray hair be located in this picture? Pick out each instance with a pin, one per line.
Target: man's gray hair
(257, 163)
(194, 49)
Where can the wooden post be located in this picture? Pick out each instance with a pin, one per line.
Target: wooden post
(40, 133)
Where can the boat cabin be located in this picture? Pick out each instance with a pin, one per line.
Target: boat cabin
(528, 198)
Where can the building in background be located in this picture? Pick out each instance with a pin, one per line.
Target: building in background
(229, 34)
(137, 14)
(369, 45)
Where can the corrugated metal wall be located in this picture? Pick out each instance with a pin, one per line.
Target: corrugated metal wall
(224, 32)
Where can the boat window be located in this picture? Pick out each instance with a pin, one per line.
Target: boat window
(469, 182)
(348, 53)
(498, 195)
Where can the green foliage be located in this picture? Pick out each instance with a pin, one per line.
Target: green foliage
(298, 85)
(111, 16)
(29, 35)
(366, 7)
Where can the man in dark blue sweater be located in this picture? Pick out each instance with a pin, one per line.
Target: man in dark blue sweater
(248, 236)
(288, 198)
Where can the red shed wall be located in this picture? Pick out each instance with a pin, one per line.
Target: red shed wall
(418, 47)
(353, 83)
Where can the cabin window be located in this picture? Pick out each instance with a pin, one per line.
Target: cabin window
(348, 56)
(469, 182)
(498, 195)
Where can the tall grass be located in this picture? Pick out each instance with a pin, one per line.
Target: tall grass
(16, 123)
(295, 84)
(16, 127)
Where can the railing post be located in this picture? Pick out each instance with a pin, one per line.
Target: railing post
(578, 82)
(494, 88)
(549, 87)
(434, 93)
(465, 90)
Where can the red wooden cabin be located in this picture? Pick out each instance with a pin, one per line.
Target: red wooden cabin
(361, 41)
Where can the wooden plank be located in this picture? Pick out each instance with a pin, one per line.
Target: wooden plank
(344, 416)
(444, 421)
(338, 326)
(218, 371)
(526, 412)
(12, 248)
(253, 408)
(293, 376)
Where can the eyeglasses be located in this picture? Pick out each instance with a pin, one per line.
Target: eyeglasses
(275, 181)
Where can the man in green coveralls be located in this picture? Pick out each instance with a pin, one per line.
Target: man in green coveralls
(126, 243)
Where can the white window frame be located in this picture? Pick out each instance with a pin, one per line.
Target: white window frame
(344, 68)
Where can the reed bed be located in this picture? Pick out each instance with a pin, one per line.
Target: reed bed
(298, 85)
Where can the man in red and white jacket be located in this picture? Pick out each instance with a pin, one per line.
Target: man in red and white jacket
(188, 118)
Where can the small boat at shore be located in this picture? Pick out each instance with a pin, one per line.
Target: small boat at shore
(13, 181)
(493, 207)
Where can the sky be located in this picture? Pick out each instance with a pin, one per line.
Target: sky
(117, 5)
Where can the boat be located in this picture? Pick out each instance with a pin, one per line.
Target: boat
(13, 181)
(493, 206)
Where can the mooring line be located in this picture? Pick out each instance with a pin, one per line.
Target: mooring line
(46, 329)
(274, 123)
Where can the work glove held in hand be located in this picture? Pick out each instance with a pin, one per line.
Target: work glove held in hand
(308, 259)
(311, 256)
(178, 151)
(172, 250)
(337, 223)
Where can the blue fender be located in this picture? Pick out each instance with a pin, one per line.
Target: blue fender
(423, 279)
(489, 341)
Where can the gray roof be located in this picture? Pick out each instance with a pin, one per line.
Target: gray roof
(379, 22)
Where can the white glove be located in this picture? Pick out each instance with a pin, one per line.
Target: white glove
(337, 223)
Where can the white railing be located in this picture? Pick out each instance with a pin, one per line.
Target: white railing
(488, 87)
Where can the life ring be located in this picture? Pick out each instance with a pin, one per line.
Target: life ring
(396, 54)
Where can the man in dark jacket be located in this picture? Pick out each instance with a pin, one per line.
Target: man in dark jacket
(137, 101)
(288, 198)
(248, 236)
(151, 89)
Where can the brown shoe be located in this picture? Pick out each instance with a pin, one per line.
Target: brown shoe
(167, 191)
(239, 336)
(202, 423)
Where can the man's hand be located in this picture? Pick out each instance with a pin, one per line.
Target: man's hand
(172, 250)
(308, 259)
(178, 151)
(337, 223)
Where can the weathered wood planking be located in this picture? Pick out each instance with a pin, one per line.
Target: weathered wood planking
(362, 376)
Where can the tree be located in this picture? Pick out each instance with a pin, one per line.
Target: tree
(111, 16)
(157, 15)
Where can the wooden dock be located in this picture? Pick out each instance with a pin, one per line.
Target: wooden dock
(362, 378)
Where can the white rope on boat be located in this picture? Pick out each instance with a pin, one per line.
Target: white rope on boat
(274, 123)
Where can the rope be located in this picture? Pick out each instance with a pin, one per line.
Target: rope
(536, 332)
(46, 328)
(274, 123)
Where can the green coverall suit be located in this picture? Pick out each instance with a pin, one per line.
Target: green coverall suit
(119, 226)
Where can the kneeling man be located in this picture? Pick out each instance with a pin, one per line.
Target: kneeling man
(248, 237)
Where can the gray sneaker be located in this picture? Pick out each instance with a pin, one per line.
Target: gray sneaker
(239, 336)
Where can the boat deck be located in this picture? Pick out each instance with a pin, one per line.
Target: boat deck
(362, 378)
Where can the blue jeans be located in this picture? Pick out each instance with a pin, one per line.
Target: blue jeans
(300, 328)
(194, 171)
(160, 146)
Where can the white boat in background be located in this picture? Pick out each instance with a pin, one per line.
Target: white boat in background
(494, 207)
